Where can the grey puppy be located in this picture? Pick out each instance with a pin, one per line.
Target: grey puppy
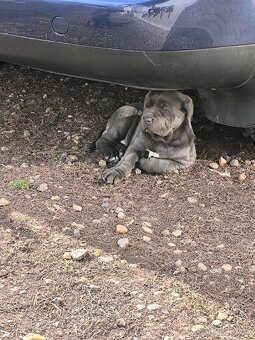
(160, 139)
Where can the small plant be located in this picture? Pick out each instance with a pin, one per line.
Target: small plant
(20, 184)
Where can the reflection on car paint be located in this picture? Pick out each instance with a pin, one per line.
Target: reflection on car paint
(148, 25)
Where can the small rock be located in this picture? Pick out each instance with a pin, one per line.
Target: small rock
(222, 315)
(121, 215)
(138, 171)
(67, 255)
(153, 306)
(165, 232)
(164, 195)
(177, 233)
(102, 163)
(24, 165)
(202, 205)
(178, 263)
(147, 230)
(146, 239)
(177, 252)
(215, 270)
(96, 221)
(77, 207)
(146, 224)
(55, 198)
(121, 323)
(105, 258)
(48, 110)
(252, 269)
(4, 149)
(197, 328)
(72, 158)
(26, 134)
(76, 233)
(123, 242)
(192, 200)
(58, 301)
(222, 161)
(45, 96)
(106, 205)
(247, 162)
(172, 245)
(32, 336)
(223, 173)
(226, 267)
(214, 166)
(202, 267)
(118, 210)
(216, 323)
(4, 202)
(242, 177)
(42, 187)
(220, 246)
(121, 229)
(140, 306)
(78, 254)
(234, 163)
(202, 319)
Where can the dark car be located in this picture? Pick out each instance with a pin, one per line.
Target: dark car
(177, 44)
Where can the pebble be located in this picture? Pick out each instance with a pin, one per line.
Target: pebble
(197, 328)
(4, 202)
(216, 323)
(165, 232)
(226, 267)
(138, 171)
(102, 163)
(55, 198)
(146, 224)
(215, 270)
(121, 323)
(192, 200)
(222, 315)
(222, 161)
(247, 162)
(121, 215)
(153, 306)
(77, 207)
(4, 149)
(26, 134)
(106, 205)
(202, 267)
(32, 336)
(48, 110)
(202, 205)
(67, 255)
(214, 166)
(43, 187)
(140, 306)
(123, 242)
(234, 163)
(121, 229)
(118, 210)
(96, 221)
(147, 230)
(177, 233)
(252, 269)
(146, 239)
(242, 177)
(223, 173)
(202, 319)
(76, 233)
(177, 252)
(24, 165)
(178, 263)
(172, 245)
(220, 246)
(106, 258)
(78, 254)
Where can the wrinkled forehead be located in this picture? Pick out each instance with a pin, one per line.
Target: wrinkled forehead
(160, 98)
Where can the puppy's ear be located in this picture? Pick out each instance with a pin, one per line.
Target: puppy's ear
(189, 109)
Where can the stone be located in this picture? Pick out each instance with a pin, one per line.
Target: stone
(123, 243)
(55, 198)
(192, 200)
(202, 319)
(121, 323)
(4, 202)
(146, 224)
(76, 233)
(146, 239)
(226, 267)
(234, 163)
(138, 171)
(222, 161)
(106, 205)
(177, 252)
(252, 269)
(96, 221)
(4, 149)
(48, 110)
(242, 177)
(247, 162)
(197, 328)
(223, 173)
(215, 270)
(140, 306)
(213, 166)
(153, 306)
(202, 267)
(165, 232)
(172, 245)
(32, 336)
(118, 210)
(77, 207)
(121, 215)
(105, 258)
(78, 254)
(42, 187)
(147, 230)
(121, 229)
(24, 165)
(177, 233)
(216, 323)
(220, 246)
(222, 315)
(178, 263)
(67, 255)
(102, 163)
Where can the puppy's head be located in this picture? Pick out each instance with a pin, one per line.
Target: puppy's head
(165, 111)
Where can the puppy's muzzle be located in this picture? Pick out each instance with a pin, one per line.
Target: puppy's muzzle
(148, 119)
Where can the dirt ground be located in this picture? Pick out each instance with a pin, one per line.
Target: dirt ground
(193, 281)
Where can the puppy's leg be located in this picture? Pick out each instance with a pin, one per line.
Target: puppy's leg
(162, 166)
(116, 130)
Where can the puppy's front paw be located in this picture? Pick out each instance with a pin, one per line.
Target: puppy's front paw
(112, 176)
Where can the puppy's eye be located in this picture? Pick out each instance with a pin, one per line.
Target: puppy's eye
(183, 108)
(165, 109)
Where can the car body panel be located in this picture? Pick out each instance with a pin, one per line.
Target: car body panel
(133, 25)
